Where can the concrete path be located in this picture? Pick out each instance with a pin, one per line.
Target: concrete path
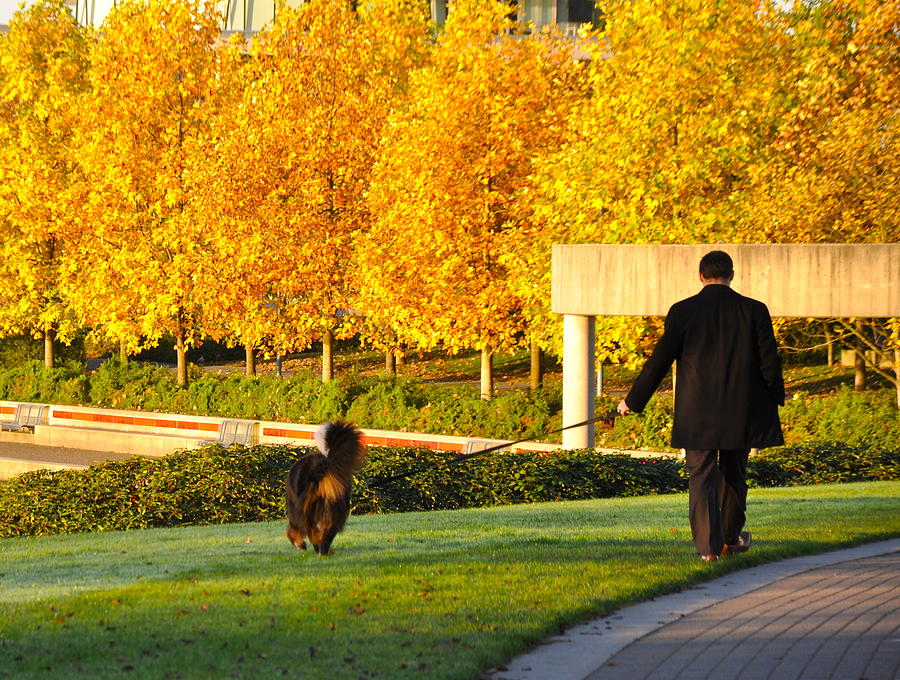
(834, 616)
(16, 458)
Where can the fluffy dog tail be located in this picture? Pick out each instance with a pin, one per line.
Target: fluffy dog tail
(342, 445)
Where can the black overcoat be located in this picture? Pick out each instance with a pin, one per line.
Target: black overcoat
(728, 381)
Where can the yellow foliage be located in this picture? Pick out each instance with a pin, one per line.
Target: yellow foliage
(453, 183)
(360, 170)
(681, 111)
(283, 196)
(145, 120)
(43, 69)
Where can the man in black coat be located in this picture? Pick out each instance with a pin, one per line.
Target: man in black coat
(728, 386)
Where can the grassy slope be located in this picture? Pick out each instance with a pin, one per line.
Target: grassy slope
(419, 595)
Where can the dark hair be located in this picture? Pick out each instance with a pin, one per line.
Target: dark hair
(716, 265)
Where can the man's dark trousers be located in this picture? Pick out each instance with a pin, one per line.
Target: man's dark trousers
(717, 481)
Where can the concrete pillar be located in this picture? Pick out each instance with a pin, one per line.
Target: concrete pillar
(579, 382)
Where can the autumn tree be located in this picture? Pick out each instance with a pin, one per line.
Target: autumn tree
(153, 99)
(43, 69)
(453, 182)
(835, 162)
(292, 165)
(685, 99)
(835, 165)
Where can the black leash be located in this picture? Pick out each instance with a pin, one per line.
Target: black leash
(607, 418)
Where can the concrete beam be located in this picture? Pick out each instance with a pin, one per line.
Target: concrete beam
(815, 280)
(806, 280)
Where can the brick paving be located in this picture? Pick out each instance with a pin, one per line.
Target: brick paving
(840, 622)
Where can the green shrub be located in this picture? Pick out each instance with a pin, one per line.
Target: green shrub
(375, 403)
(862, 419)
(509, 415)
(823, 463)
(206, 486)
(20, 349)
(131, 385)
(242, 484)
(17, 350)
(66, 384)
(651, 429)
(389, 404)
(869, 419)
(215, 485)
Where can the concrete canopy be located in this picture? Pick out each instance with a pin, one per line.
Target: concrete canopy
(808, 280)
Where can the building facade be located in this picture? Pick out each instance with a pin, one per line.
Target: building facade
(249, 16)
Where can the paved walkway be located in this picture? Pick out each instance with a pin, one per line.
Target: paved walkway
(57, 454)
(16, 458)
(834, 616)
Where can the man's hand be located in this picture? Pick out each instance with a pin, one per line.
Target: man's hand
(623, 408)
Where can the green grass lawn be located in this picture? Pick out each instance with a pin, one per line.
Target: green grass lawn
(419, 595)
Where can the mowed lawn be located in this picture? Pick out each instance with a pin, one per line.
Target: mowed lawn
(420, 595)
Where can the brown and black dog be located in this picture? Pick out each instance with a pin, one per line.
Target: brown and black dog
(319, 485)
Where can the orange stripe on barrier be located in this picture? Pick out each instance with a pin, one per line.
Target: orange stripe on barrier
(288, 434)
(135, 420)
(72, 415)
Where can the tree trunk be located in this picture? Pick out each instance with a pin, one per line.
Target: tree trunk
(181, 353)
(250, 362)
(390, 363)
(279, 365)
(536, 374)
(328, 356)
(599, 390)
(487, 374)
(49, 350)
(897, 374)
(123, 352)
(859, 372)
(829, 344)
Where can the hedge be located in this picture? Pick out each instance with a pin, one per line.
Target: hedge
(869, 419)
(213, 485)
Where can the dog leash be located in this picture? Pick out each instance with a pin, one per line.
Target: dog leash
(608, 417)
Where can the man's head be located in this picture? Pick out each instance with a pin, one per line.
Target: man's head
(716, 267)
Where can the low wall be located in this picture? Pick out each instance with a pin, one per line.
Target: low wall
(158, 434)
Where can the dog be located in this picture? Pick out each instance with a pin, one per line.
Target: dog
(319, 486)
